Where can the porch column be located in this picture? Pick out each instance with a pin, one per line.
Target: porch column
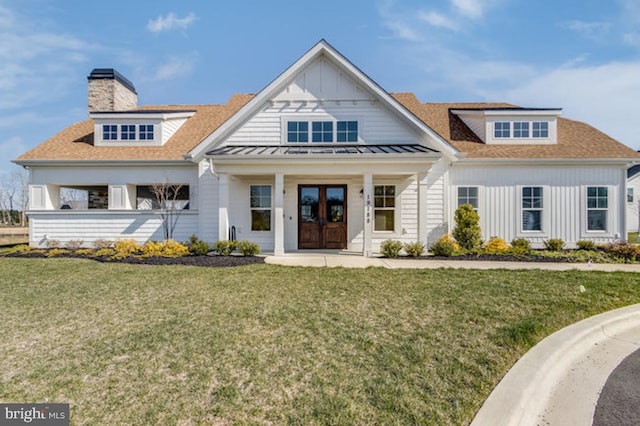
(367, 193)
(422, 207)
(278, 234)
(223, 206)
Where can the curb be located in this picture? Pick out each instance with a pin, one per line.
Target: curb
(559, 380)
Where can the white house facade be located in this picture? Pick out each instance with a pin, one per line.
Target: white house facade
(324, 158)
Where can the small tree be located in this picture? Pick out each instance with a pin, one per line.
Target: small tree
(170, 203)
(467, 230)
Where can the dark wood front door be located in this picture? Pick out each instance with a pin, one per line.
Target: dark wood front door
(322, 216)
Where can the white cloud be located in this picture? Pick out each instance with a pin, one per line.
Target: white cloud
(470, 8)
(438, 20)
(603, 96)
(170, 22)
(175, 67)
(591, 30)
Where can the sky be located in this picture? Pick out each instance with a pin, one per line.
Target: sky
(579, 55)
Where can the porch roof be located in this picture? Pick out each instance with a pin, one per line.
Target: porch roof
(320, 149)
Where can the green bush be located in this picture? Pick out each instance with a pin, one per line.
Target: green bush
(390, 248)
(496, 245)
(198, 247)
(554, 244)
(224, 247)
(414, 249)
(248, 248)
(520, 246)
(445, 246)
(467, 230)
(586, 245)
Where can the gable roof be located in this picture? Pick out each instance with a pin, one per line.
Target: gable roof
(75, 143)
(322, 48)
(576, 140)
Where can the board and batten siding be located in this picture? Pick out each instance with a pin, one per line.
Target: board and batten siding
(376, 124)
(564, 211)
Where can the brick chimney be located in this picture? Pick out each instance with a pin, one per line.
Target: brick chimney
(110, 91)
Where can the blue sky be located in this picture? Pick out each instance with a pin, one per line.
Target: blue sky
(582, 56)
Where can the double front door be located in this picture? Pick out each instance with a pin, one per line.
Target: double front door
(322, 216)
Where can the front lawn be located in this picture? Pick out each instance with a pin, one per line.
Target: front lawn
(140, 344)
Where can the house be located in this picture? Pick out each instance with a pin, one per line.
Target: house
(633, 198)
(325, 158)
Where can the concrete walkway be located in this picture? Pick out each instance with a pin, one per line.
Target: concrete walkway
(559, 381)
(357, 261)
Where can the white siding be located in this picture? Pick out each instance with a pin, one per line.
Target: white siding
(500, 199)
(633, 218)
(435, 208)
(140, 226)
(207, 202)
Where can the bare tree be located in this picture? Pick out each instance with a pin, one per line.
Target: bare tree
(22, 178)
(171, 202)
(10, 188)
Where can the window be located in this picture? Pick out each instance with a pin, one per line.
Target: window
(84, 197)
(540, 129)
(597, 207)
(384, 201)
(162, 196)
(347, 131)
(468, 195)
(521, 129)
(128, 132)
(502, 129)
(297, 131)
(146, 132)
(322, 131)
(532, 208)
(109, 132)
(260, 207)
(629, 195)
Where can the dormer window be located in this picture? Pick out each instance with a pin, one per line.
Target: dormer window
(146, 132)
(502, 129)
(109, 132)
(540, 129)
(128, 132)
(322, 131)
(521, 129)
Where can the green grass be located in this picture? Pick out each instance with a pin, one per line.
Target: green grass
(135, 344)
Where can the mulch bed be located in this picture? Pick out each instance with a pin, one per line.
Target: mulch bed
(209, 261)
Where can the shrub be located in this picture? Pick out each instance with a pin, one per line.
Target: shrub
(586, 245)
(56, 252)
(414, 249)
(152, 248)
(224, 247)
(85, 252)
(247, 248)
(390, 248)
(107, 251)
(198, 247)
(74, 244)
(496, 245)
(125, 248)
(554, 244)
(102, 244)
(172, 248)
(467, 230)
(623, 250)
(21, 248)
(52, 243)
(445, 246)
(520, 246)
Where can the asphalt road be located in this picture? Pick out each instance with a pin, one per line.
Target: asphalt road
(619, 402)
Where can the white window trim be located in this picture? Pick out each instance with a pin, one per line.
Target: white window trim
(271, 214)
(397, 211)
(546, 212)
(285, 119)
(611, 212)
